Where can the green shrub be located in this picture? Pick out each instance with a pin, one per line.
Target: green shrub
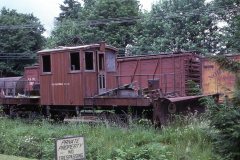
(193, 88)
(226, 120)
(154, 151)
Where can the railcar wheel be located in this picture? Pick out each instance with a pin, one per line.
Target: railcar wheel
(172, 108)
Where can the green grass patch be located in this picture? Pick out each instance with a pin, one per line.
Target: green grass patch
(7, 157)
(36, 140)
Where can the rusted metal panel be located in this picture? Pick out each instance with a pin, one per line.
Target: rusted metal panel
(117, 101)
(215, 80)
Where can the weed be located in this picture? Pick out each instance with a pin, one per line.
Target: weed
(36, 140)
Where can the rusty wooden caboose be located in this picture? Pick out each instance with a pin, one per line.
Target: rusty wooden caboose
(69, 74)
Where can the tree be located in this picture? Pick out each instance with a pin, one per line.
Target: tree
(174, 25)
(20, 36)
(70, 9)
(99, 20)
(228, 13)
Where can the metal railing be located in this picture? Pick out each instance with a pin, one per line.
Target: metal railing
(19, 88)
(168, 83)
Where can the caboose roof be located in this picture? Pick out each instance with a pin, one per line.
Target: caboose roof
(89, 46)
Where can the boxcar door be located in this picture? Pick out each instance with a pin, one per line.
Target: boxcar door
(101, 72)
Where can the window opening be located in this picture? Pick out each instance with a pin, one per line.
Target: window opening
(10, 91)
(111, 62)
(101, 62)
(75, 61)
(46, 59)
(89, 61)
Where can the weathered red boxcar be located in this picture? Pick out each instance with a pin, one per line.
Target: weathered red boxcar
(172, 71)
(216, 80)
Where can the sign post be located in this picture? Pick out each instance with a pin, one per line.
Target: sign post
(70, 148)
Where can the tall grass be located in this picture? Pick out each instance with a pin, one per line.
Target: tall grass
(36, 140)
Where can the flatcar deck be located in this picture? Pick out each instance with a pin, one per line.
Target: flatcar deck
(121, 101)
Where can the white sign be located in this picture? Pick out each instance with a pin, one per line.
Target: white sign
(71, 148)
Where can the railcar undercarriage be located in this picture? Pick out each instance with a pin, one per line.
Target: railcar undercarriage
(117, 106)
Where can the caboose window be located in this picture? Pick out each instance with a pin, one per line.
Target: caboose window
(46, 60)
(89, 61)
(75, 61)
(101, 62)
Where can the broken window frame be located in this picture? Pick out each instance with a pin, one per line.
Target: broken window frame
(93, 61)
(74, 61)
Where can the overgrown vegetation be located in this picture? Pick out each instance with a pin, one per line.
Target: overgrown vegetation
(225, 120)
(36, 140)
(193, 88)
(7, 157)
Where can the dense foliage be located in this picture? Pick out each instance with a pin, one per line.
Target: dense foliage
(168, 26)
(20, 37)
(225, 119)
(178, 25)
(95, 21)
(193, 88)
(228, 12)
